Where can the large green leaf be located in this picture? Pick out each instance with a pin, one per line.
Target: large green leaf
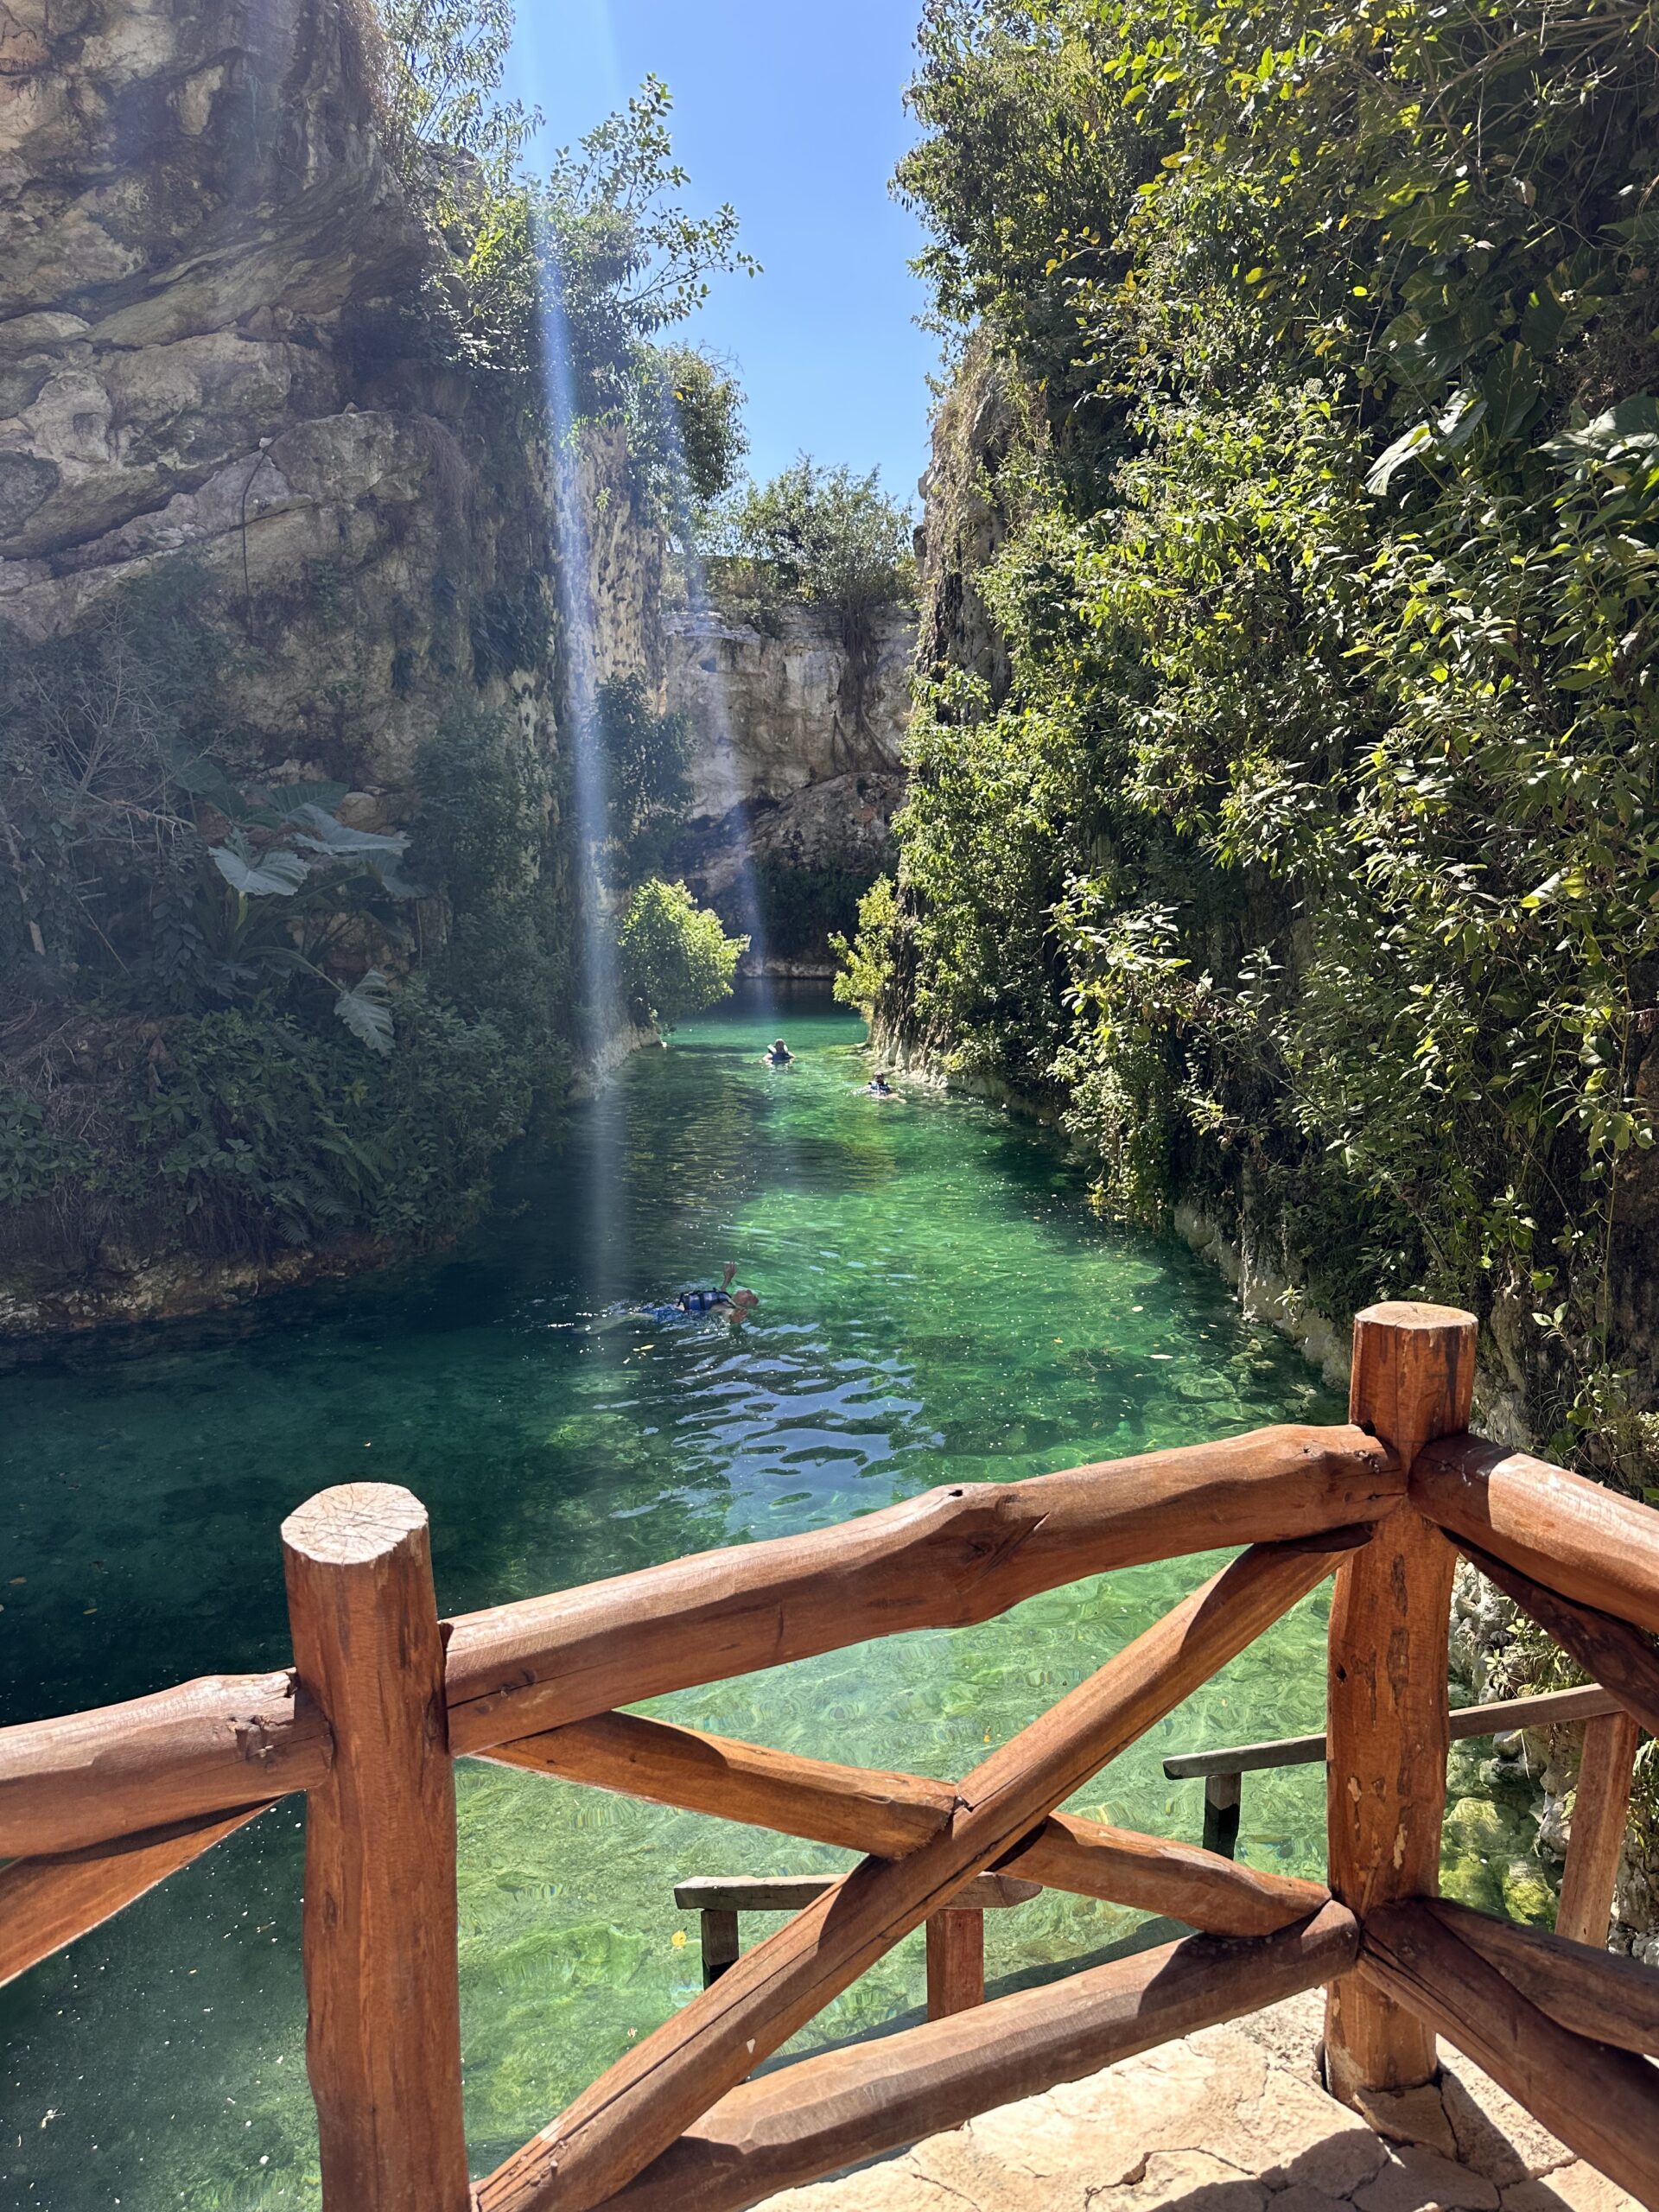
(1511, 389)
(276, 873)
(366, 1011)
(1413, 443)
(322, 833)
(1627, 432)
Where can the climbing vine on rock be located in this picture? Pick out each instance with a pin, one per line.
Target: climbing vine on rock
(1307, 846)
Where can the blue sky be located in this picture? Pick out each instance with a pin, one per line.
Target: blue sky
(794, 113)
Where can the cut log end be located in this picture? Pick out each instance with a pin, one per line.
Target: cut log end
(353, 1524)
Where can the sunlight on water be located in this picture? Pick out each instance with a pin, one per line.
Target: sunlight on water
(938, 1305)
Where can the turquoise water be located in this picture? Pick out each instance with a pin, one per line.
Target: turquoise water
(938, 1304)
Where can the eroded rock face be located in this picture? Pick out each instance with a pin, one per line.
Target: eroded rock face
(190, 201)
(778, 710)
(226, 354)
(796, 766)
(218, 342)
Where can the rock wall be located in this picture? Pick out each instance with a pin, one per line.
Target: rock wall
(796, 769)
(217, 341)
(227, 352)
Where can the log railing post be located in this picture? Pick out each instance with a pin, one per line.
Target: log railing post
(383, 2038)
(1599, 1808)
(1388, 1732)
(956, 1961)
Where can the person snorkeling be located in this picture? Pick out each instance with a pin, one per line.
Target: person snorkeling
(779, 1055)
(879, 1087)
(734, 1303)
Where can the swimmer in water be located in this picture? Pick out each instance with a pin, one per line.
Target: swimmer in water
(879, 1087)
(778, 1057)
(735, 1304)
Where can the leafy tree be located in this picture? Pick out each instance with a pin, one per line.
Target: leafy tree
(624, 258)
(689, 412)
(821, 536)
(676, 957)
(824, 534)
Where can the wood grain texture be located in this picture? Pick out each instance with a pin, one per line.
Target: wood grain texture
(861, 1808)
(956, 1961)
(1388, 1728)
(1602, 1995)
(1569, 1534)
(951, 1558)
(888, 1814)
(637, 2108)
(813, 2117)
(1603, 2102)
(1154, 1874)
(207, 1746)
(383, 2035)
(946, 1559)
(47, 1902)
(1600, 1804)
(1622, 1659)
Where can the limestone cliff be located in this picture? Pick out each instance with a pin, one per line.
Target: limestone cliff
(795, 770)
(227, 356)
(216, 340)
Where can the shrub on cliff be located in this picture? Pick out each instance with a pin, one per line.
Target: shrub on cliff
(676, 957)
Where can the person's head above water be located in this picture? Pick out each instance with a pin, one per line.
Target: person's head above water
(779, 1051)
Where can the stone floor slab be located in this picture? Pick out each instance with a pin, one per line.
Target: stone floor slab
(1232, 2119)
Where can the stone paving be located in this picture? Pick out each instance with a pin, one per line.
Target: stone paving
(1232, 2119)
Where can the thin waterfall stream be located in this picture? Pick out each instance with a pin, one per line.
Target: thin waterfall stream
(939, 1304)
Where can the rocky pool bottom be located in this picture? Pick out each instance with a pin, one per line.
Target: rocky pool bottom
(938, 1304)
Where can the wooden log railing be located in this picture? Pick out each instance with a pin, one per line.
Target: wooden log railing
(382, 1697)
(1605, 1773)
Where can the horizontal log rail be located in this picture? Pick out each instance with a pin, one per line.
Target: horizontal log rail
(96, 1807)
(845, 2106)
(1567, 1533)
(945, 1560)
(206, 1747)
(1547, 1709)
(1601, 2101)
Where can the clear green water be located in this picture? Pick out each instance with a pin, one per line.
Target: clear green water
(938, 1304)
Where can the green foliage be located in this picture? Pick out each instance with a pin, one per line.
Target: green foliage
(1311, 843)
(868, 970)
(573, 275)
(646, 785)
(801, 909)
(445, 61)
(689, 419)
(624, 257)
(237, 1133)
(199, 957)
(821, 535)
(676, 957)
